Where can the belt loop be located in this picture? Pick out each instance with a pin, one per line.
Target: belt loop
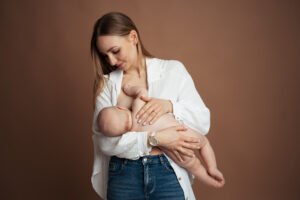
(161, 158)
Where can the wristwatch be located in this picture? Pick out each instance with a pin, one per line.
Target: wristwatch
(152, 139)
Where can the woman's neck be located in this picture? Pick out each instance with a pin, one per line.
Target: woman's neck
(138, 69)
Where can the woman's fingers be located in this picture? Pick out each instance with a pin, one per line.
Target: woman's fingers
(193, 146)
(155, 114)
(148, 113)
(152, 110)
(142, 111)
(155, 118)
(186, 152)
(150, 117)
(140, 114)
(188, 139)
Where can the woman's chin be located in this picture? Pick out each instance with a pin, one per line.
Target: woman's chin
(121, 66)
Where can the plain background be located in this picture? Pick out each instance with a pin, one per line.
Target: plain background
(242, 55)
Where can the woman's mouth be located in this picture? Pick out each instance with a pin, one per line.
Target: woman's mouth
(121, 65)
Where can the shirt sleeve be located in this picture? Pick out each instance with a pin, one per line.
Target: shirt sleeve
(130, 145)
(189, 106)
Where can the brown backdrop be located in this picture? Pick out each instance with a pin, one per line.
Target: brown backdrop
(242, 55)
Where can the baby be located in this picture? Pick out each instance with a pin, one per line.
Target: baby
(116, 120)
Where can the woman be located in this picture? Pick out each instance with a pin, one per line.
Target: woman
(132, 166)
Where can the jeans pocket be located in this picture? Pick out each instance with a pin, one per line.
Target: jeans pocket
(168, 166)
(115, 167)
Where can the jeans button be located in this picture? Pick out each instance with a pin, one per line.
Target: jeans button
(144, 160)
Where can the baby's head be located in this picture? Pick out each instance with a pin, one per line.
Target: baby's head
(115, 120)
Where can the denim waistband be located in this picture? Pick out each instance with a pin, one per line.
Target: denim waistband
(149, 159)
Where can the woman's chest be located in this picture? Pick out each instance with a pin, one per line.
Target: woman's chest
(125, 100)
(165, 87)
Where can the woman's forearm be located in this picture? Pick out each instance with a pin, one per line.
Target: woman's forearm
(130, 145)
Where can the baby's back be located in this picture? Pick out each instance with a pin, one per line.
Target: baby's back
(165, 121)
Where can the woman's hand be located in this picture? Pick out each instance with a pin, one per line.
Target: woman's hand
(153, 110)
(175, 140)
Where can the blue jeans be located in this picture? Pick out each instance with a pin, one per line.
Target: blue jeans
(148, 178)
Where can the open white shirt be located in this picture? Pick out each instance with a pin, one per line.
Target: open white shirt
(167, 79)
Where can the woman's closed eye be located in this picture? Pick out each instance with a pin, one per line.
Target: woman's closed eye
(116, 51)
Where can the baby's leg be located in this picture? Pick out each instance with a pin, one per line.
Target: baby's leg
(208, 156)
(194, 166)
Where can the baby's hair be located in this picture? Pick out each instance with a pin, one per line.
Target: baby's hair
(109, 122)
(102, 120)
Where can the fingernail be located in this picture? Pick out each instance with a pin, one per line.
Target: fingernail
(144, 123)
(139, 121)
(137, 116)
(151, 123)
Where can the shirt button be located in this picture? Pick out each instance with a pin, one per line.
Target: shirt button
(179, 178)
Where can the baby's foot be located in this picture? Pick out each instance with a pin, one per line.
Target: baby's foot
(213, 177)
(217, 176)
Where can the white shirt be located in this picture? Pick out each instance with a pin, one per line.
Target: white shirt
(167, 79)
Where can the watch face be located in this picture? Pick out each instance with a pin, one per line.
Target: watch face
(153, 141)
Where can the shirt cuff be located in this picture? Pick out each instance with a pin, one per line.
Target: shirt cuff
(144, 148)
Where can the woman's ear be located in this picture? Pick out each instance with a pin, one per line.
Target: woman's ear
(133, 36)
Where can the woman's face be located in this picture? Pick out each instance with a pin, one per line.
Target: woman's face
(119, 51)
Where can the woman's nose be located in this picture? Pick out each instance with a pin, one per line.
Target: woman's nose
(112, 60)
